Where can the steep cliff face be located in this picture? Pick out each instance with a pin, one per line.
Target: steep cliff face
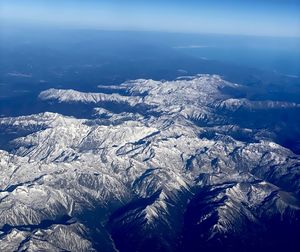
(169, 172)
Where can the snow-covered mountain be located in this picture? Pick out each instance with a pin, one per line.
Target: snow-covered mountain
(170, 172)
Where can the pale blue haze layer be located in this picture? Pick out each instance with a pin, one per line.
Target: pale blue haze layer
(271, 17)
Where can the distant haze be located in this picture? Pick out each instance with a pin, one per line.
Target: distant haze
(268, 17)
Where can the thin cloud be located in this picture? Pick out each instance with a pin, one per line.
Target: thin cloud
(192, 46)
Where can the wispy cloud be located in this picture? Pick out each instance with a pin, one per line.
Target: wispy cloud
(192, 46)
(22, 75)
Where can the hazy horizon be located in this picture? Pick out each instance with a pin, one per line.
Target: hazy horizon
(232, 17)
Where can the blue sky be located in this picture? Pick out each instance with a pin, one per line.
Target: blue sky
(253, 17)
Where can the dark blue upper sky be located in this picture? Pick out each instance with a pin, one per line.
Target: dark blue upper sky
(253, 17)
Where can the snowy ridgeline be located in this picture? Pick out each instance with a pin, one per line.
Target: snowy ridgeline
(141, 170)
